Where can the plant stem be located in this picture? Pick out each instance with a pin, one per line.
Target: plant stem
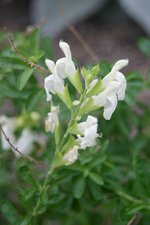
(129, 197)
(71, 122)
(42, 190)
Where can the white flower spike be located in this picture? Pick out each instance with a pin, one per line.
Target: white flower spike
(88, 132)
(71, 156)
(52, 120)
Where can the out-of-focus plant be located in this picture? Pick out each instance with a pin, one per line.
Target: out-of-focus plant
(58, 180)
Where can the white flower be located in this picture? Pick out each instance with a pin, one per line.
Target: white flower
(71, 156)
(52, 120)
(25, 142)
(118, 78)
(108, 100)
(53, 83)
(114, 85)
(88, 132)
(65, 66)
(8, 125)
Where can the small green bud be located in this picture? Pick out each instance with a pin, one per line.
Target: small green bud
(95, 69)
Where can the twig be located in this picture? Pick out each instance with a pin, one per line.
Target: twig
(79, 37)
(24, 59)
(20, 153)
(132, 219)
(30, 28)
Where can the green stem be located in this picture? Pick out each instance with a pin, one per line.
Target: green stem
(71, 122)
(129, 197)
(42, 190)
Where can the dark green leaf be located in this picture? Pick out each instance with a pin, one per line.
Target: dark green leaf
(35, 42)
(96, 178)
(24, 77)
(78, 187)
(33, 99)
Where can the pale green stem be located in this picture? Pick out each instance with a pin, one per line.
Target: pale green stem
(129, 197)
(71, 122)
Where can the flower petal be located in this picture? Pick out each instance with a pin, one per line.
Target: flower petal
(49, 86)
(123, 84)
(66, 49)
(51, 65)
(120, 64)
(71, 156)
(61, 67)
(110, 106)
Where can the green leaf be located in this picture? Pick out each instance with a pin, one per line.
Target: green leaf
(69, 144)
(76, 81)
(137, 207)
(104, 68)
(33, 99)
(65, 97)
(24, 77)
(48, 47)
(58, 134)
(96, 178)
(95, 190)
(144, 45)
(96, 89)
(35, 42)
(26, 175)
(78, 187)
(26, 220)
(10, 213)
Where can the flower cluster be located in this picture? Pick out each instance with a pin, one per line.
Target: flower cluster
(96, 93)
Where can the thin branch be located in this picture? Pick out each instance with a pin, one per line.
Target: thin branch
(132, 220)
(24, 59)
(79, 37)
(30, 28)
(20, 153)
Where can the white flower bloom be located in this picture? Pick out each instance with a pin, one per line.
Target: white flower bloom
(53, 83)
(71, 156)
(118, 77)
(8, 125)
(114, 85)
(108, 100)
(65, 66)
(88, 132)
(52, 120)
(25, 142)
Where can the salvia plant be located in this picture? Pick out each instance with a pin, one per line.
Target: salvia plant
(74, 141)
